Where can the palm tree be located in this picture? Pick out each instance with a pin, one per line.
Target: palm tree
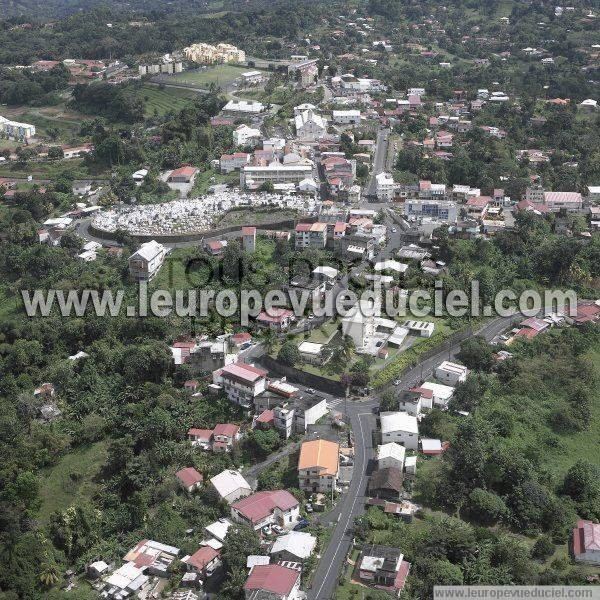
(49, 575)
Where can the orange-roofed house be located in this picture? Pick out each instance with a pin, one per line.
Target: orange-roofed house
(318, 466)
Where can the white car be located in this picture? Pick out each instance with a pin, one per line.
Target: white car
(397, 382)
(394, 230)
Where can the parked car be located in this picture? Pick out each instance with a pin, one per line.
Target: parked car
(302, 524)
(278, 530)
(397, 382)
(310, 390)
(308, 507)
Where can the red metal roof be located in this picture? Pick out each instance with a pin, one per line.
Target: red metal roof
(204, 434)
(258, 506)
(189, 476)
(272, 578)
(275, 315)
(202, 557)
(184, 171)
(226, 429)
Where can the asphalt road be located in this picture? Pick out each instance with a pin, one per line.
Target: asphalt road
(379, 162)
(352, 505)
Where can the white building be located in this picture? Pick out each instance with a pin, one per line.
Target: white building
(440, 394)
(246, 136)
(246, 107)
(451, 373)
(16, 131)
(385, 186)
(147, 261)
(310, 126)
(347, 117)
(390, 455)
(421, 328)
(230, 485)
(254, 177)
(295, 546)
(241, 382)
(400, 427)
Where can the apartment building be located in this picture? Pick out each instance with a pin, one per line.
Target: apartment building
(16, 131)
(385, 189)
(311, 235)
(209, 54)
(241, 382)
(441, 210)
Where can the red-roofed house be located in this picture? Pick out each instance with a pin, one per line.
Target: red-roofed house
(200, 437)
(586, 543)
(265, 420)
(272, 581)
(191, 385)
(214, 247)
(478, 206)
(587, 312)
(204, 561)
(278, 319)
(536, 207)
(183, 175)
(189, 479)
(536, 324)
(267, 508)
(239, 339)
(526, 333)
(224, 437)
(233, 162)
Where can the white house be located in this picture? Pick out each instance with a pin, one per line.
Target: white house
(451, 373)
(385, 186)
(246, 136)
(347, 117)
(230, 485)
(390, 455)
(269, 507)
(146, 262)
(400, 427)
(295, 546)
(440, 393)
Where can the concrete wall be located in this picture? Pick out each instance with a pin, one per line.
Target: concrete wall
(294, 375)
(288, 224)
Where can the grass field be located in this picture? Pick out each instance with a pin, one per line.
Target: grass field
(72, 479)
(221, 75)
(158, 102)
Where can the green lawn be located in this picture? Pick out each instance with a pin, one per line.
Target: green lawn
(158, 102)
(220, 75)
(210, 177)
(72, 479)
